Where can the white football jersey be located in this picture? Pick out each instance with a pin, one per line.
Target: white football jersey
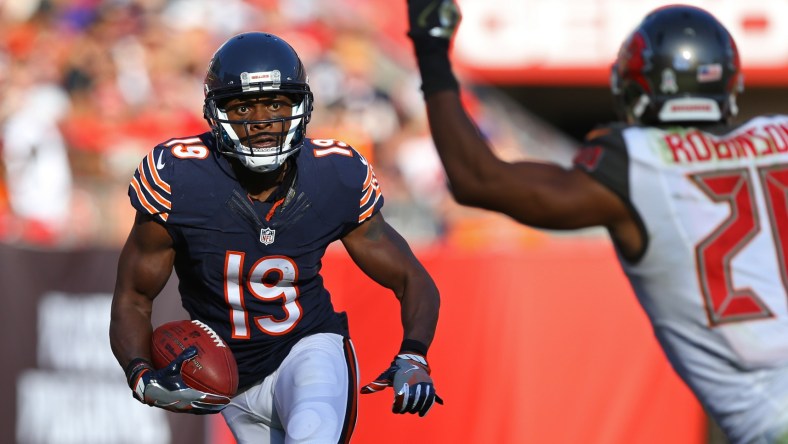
(714, 275)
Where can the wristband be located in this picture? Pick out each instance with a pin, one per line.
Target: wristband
(432, 56)
(134, 368)
(412, 345)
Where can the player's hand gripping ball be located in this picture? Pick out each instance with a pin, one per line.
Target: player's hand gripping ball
(213, 369)
(193, 370)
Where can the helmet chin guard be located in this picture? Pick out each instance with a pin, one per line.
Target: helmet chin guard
(253, 64)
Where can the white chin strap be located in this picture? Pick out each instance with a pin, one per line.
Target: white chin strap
(265, 159)
(261, 164)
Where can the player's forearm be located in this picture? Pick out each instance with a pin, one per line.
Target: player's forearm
(469, 162)
(420, 304)
(130, 329)
(470, 165)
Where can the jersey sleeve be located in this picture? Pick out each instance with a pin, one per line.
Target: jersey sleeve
(354, 180)
(371, 200)
(149, 190)
(604, 157)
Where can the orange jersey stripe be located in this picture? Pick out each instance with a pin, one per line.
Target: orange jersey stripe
(144, 201)
(152, 191)
(368, 179)
(366, 214)
(370, 188)
(155, 174)
(367, 195)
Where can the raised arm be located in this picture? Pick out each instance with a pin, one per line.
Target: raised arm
(542, 195)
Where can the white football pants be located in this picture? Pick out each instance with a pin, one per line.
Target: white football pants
(310, 398)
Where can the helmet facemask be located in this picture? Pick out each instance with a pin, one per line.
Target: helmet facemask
(288, 140)
(249, 65)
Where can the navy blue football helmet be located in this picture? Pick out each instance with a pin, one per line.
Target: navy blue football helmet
(679, 65)
(256, 63)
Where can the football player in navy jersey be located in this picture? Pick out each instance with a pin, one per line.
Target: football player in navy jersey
(696, 206)
(244, 214)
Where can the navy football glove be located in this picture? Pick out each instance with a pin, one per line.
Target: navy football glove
(165, 387)
(409, 376)
(433, 18)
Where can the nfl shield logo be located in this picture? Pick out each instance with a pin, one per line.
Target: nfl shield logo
(267, 236)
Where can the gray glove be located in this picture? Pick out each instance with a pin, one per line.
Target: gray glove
(409, 376)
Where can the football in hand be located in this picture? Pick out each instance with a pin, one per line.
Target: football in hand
(213, 370)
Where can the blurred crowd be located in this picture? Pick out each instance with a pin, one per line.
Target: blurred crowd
(88, 87)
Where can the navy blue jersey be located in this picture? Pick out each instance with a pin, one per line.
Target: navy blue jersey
(251, 269)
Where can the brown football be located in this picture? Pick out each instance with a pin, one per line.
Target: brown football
(213, 370)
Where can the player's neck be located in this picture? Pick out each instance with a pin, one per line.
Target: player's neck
(260, 186)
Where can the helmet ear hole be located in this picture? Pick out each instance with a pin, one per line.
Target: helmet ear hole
(615, 80)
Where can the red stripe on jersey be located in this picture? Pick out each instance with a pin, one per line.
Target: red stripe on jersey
(588, 157)
(273, 209)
